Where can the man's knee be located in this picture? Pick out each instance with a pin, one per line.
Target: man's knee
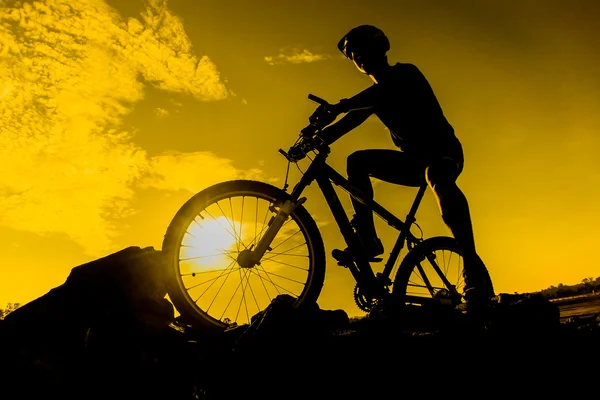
(355, 163)
(439, 179)
(442, 173)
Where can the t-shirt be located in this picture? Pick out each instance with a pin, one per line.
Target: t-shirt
(408, 107)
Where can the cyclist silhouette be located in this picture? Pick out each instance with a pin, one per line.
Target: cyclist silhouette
(403, 100)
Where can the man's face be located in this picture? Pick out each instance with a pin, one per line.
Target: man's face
(361, 61)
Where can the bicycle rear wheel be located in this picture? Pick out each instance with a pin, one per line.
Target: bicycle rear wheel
(433, 270)
(208, 286)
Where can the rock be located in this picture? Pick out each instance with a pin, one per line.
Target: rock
(109, 332)
(107, 326)
(524, 314)
(280, 322)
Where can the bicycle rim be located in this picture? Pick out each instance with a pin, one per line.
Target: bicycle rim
(205, 239)
(431, 271)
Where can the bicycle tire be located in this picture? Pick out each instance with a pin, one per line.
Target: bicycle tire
(410, 285)
(191, 312)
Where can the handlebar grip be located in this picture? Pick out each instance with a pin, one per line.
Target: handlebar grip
(317, 99)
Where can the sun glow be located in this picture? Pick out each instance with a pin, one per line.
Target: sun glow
(210, 243)
(213, 259)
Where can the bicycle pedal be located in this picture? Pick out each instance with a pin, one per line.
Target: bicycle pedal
(342, 257)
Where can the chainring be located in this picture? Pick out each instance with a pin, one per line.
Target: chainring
(362, 302)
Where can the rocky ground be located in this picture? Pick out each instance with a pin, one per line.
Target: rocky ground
(109, 333)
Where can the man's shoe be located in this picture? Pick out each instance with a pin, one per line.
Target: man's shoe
(372, 246)
(478, 306)
(478, 292)
(342, 257)
(476, 276)
(375, 248)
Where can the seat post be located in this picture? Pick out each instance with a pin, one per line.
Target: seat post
(410, 217)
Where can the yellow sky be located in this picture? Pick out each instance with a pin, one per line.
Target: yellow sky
(113, 114)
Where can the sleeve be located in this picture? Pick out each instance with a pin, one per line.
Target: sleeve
(366, 99)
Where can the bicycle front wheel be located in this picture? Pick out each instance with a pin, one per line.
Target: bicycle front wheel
(208, 286)
(433, 270)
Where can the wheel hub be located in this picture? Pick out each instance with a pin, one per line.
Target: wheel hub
(245, 259)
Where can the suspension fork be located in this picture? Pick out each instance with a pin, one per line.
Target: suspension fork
(275, 224)
(285, 210)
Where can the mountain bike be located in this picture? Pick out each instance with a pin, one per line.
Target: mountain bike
(236, 245)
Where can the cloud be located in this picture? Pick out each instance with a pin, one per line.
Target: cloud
(161, 112)
(295, 56)
(69, 73)
(193, 171)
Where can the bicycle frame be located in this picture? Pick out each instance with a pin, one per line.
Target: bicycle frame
(361, 269)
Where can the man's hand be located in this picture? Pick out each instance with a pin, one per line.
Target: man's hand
(296, 153)
(350, 121)
(326, 114)
(323, 116)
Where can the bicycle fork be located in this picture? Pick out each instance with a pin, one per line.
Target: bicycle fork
(252, 257)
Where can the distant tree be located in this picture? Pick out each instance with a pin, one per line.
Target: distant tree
(10, 307)
(589, 284)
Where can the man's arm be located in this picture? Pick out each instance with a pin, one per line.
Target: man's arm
(367, 99)
(348, 122)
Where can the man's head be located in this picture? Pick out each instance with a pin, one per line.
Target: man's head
(367, 46)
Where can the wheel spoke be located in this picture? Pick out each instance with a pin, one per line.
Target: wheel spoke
(435, 276)
(446, 266)
(272, 255)
(242, 222)
(268, 277)
(277, 286)
(214, 280)
(247, 274)
(226, 230)
(232, 224)
(284, 277)
(287, 265)
(204, 256)
(263, 226)
(203, 272)
(285, 239)
(241, 300)
(252, 292)
(263, 284)
(231, 299)
(218, 291)
(214, 289)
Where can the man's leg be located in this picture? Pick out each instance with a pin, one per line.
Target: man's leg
(387, 165)
(441, 177)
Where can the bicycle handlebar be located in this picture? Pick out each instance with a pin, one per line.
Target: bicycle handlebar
(318, 100)
(307, 141)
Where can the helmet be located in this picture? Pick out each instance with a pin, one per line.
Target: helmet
(364, 39)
